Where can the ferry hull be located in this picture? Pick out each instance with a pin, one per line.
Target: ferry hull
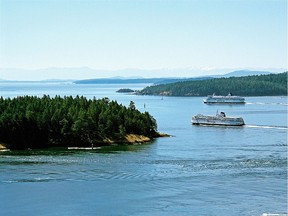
(214, 120)
(224, 99)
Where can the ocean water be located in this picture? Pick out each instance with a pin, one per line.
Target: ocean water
(200, 170)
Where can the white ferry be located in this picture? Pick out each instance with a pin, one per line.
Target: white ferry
(219, 119)
(224, 99)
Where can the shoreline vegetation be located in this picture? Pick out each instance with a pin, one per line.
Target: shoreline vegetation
(30, 122)
(256, 85)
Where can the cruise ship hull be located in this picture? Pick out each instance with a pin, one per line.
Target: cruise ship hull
(224, 99)
(217, 120)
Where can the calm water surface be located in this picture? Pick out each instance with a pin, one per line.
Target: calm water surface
(199, 171)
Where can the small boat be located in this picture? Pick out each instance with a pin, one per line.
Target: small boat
(219, 119)
(224, 99)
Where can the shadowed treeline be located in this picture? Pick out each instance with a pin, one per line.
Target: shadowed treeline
(33, 122)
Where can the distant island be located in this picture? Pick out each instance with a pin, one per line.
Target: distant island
(33, 122)
(118, 81)
(125, 90)
(257, 85)
(167, 80)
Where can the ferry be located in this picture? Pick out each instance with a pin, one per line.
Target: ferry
(219, 119)
(224, 99)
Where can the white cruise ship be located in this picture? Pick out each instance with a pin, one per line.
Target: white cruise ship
(219, 119)
(224, 99)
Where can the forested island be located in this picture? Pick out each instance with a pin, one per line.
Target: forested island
(125, 90)
(33, 122)
(258, 85)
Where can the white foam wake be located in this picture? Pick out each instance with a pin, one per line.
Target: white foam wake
(267, 127)
(274, 214)
(262, 103)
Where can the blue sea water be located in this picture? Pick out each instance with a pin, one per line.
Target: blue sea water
(198, 171)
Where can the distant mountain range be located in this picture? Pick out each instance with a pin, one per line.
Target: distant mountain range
(154, 81)
(166, 80)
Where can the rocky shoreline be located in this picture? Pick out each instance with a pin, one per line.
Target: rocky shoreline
(3, 147)
(129, 139)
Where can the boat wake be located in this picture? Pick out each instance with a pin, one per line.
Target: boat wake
(259, 103)
(267, 127)
(274, 214)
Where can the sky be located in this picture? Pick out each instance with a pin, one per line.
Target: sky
(151, 35)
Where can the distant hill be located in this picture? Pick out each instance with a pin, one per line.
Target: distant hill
(240, 73)
(257, 85)
(154, 81)
(173, 80)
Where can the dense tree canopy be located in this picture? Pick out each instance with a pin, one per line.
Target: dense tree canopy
(33, 122)
(260, 85)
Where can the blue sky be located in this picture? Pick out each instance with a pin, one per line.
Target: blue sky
(144, 34)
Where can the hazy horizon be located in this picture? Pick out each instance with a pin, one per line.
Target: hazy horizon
(54, 73)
